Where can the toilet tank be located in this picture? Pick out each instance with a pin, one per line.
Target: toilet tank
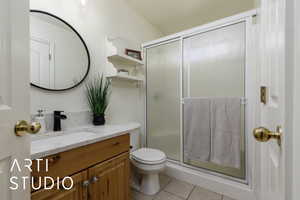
(135, 139)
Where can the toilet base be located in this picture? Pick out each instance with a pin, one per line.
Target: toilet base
(150, 184)
(135, 180)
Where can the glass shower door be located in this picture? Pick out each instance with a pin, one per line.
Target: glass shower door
(214, 94)
(163, 98)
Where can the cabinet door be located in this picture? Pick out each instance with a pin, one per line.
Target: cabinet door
(110, 179)
(78, 191)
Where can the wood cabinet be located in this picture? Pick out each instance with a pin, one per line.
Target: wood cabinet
(75, 160)
(78, 191)
(99, 171)
(110, 180)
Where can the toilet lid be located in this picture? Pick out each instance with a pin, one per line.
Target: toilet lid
(148, 156)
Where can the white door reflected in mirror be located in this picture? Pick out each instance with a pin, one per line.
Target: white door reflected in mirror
(59, 56)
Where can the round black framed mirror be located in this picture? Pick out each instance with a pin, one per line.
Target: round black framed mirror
(60, 59)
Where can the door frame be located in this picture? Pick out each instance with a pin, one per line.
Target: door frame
(224, 184)
(292, 138)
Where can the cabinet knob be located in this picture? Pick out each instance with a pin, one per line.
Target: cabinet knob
(53, 159)
(94, 179)
(116, 143)
(86, 183)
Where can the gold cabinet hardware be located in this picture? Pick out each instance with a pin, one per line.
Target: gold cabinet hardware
(262, 134)
(22, 127)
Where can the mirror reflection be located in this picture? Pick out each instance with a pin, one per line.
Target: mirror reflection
(59, 57)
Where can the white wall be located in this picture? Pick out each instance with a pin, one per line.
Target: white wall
(172, 16)
(95, 21)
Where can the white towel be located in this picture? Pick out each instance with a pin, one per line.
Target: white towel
(197, 138)
(226, 132)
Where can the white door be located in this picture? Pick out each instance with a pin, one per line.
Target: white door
(14, 94)
(272, 65)
(41, 73)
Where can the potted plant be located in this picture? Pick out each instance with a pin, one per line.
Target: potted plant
(98, 92)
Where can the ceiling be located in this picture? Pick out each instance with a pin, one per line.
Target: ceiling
(171, 16)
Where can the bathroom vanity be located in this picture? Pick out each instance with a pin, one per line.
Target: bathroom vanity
(97, 159)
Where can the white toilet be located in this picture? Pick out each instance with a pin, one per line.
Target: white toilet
(146, 165)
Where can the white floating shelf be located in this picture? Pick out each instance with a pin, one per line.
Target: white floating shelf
(124, 59)
(126, 77)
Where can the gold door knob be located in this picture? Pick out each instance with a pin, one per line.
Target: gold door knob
(262, 134)
(22, 127)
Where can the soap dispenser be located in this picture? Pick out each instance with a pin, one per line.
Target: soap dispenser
(40, 117)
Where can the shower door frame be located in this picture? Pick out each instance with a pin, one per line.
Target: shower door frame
(250, 88)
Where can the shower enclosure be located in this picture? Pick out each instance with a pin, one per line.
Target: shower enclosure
(203, 64)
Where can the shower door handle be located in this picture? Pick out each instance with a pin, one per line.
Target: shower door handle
(263, 134)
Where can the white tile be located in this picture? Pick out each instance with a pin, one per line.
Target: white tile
(139, 196)
(166, 196)
(203, 194)
(227, 198)
(179, 188)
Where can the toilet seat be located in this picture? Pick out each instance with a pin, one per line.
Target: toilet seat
(148, 156)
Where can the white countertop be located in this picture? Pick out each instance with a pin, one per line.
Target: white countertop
(51, 143)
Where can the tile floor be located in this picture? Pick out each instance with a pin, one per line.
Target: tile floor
(172, 189)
